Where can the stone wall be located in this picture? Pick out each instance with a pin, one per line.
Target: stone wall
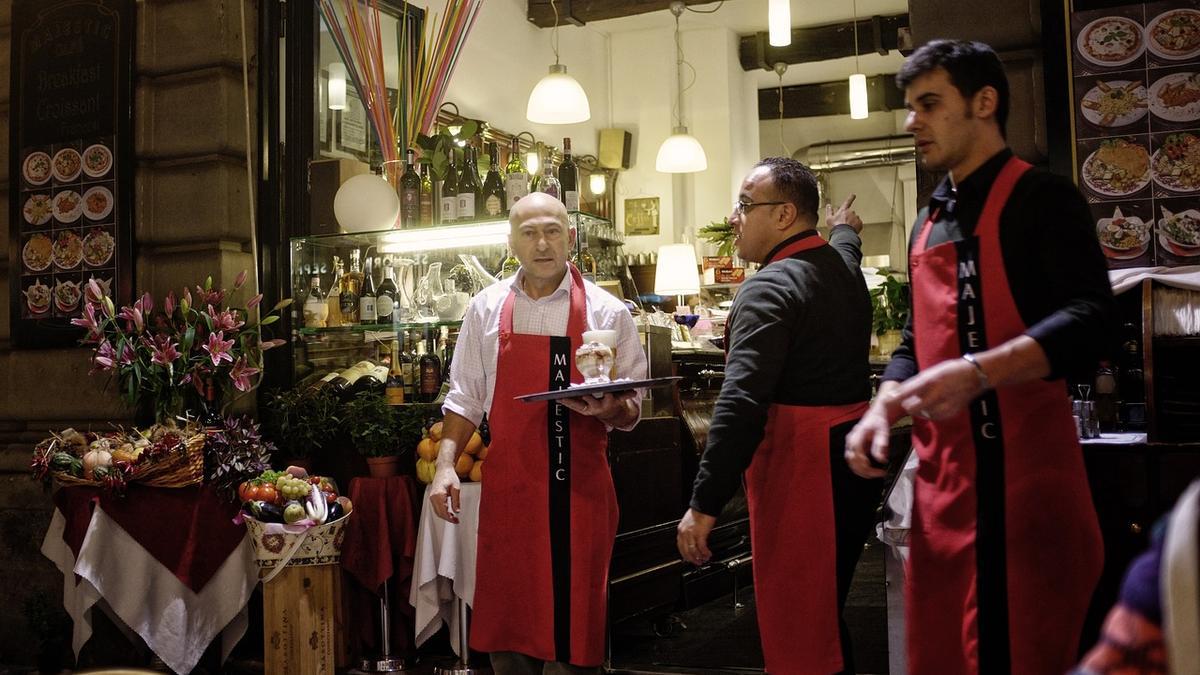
(192, 219)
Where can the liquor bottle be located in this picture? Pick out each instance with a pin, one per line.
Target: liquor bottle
(584, 260)
(394, 389)
(367, 308)
(316, 306)
(385, 297)
(469, 191)
(516, 178)
(425, 216)
(493, 187)
(408, 367)
(568, 179)
(410, 194)
(447, 347)
(450, 193)
(510, 266)
(548, 183)
(335, 299)
(429, 368)
(351, 285)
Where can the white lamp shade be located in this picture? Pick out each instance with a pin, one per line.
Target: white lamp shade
(681, 153)
(676, 272)
(598, 183)
(779, 22)
(365, 203)
(558, 99)
(858, 96)
(337, 86)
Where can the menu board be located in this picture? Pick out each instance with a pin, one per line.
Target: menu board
(69, 162)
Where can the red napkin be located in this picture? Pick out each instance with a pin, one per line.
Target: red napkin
(189, 530)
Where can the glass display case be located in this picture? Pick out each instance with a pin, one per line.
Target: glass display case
(370, 304)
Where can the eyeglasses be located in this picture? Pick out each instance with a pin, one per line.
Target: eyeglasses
(740, 207)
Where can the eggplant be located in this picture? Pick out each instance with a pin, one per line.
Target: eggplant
(335, 511)
(264, 512)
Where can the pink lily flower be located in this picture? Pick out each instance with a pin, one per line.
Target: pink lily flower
(88, 321)
(218, 348)
(271, 344)
(204, 297)
(105, 357)
(253, 302)
(128, 355)
(164, 351)
(92, 291)
(169, 303)
(133, 317)
(225, 320)
(241, 279)
(241, 374)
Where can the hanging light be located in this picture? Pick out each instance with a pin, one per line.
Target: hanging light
(337, 86)
(598, 183)
(779, 22)
(681, 152)
(557, 98)
(858, 81)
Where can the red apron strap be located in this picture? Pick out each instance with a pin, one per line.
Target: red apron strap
(989, 219)
(577, 320)
(923, 235)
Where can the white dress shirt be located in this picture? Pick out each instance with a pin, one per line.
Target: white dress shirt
(473, 370)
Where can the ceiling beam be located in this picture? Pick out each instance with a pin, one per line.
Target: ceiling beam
(828, 98)
(879, 34)
(579, 12)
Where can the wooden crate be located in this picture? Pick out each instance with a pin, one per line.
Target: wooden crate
(302, 618)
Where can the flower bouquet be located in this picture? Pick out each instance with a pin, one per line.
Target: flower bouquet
(178, 354)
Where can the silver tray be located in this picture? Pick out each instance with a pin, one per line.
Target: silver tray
(581, 389)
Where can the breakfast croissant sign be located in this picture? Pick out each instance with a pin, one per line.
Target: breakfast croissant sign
(1135, 81)
(69, 140)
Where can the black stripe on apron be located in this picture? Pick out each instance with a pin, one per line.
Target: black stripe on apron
(559, 420)
(990, 551)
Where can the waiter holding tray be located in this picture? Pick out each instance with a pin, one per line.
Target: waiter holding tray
(548, 511)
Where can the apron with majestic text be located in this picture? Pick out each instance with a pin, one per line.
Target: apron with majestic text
(1006, 549)
(547, 511)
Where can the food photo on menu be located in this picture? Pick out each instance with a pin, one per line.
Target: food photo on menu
(36, 252)
(1173, 34)
(35, 169)
(1109, 42)
(1112, 104)
(1174, 97)
(67, 165)
(1124, 232)
(37, 298)
(98, 247)
(67, 250)
(1115, 167)
(1178, 232)
(37, 210)
(97, 160)
(1175, 164)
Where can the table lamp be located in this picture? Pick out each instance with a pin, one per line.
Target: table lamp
(676, 273)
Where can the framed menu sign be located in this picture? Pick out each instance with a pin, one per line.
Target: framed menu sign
(1135, 81)
(70, 163)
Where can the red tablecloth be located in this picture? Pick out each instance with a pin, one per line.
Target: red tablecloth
(189, 530)
(381, 539)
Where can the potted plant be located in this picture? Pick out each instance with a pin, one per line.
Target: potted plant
(302, 422)
(370, 422)
(889, 311)
(719, 233)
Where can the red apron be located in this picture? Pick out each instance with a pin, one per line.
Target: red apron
(1006, 549)
(548, 511)
(795, 557)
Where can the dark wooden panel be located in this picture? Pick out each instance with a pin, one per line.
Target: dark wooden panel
(879, 34)
(579, 12)
(828, 98)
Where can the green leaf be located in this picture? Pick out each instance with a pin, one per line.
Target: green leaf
(469, 129)
(281, 304)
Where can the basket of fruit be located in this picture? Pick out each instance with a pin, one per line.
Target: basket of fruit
(162, 456)
(293, 519)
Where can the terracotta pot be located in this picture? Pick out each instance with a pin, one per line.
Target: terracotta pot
(383, 467)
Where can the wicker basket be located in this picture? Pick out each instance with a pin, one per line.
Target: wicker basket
(277, 546)
(179, 469)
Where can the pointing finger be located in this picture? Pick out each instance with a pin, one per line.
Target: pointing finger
(849, 200)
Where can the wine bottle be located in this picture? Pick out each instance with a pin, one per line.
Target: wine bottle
(394, 389)
(549, 183)
(211, 418)
(493, 187)
(447, 352)
(516, 179)
(385, 297)
(316, 307)
(568, 178)
(450, 193)
(328, 381)
(430, 370)
(510, 266)
(373, 379)
(584, 260)
(367, 308)
(334, 319)
(426, 198)
(351, 285)
(410, 194)
(407, 368)
(469, 189)
(343, 384)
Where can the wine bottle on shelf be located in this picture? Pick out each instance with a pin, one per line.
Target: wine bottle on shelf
(328, 381)
(394, 389)
(548, 183)
(584, 260)
(493, 187)
(510, 266)
(450, 192)
(367, 308)
(425, 217)
(342, 385)
(407, 365)
(334, 319)
(385, 297)
(429, 367)
(351, 286)
(568, 178)
(447, 347)
(373, 379)
(516, 178)
(469, 189)
(316, 306)
(410, 194)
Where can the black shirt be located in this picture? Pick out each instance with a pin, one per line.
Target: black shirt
(799, 334)
(1056, 272)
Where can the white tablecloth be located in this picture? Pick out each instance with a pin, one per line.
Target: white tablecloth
(176, 623)
(444, 568)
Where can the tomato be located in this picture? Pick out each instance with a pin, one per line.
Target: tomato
(330, 497)
(267, 493)
(247, 491)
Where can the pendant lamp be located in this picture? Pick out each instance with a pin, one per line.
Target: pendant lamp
(858, 81)
(557, 98)
(779, 22)
(681, 152)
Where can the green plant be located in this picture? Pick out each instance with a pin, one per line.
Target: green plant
(889, 304)
(411, 421)
(235, 452)
(719, 233)
(302, 421)
(371, 424)
(436, 149)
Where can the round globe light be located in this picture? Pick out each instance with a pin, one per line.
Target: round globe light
(366, 202)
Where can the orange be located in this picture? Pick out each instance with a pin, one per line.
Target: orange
(475, 444)
(435, 432)
(477, 472)
(482, 454)
(425, 470)
(463, 467)
(427, 449)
